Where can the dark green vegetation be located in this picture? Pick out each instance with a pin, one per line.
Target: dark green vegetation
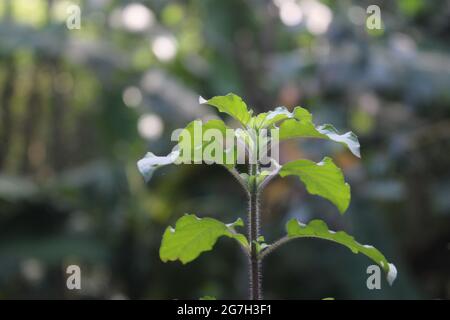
(71, 102)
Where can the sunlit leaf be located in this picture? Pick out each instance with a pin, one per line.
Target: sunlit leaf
(150, 163)
(194, 147)
(324, 179)
(200, 140)
(232, 105)
(319, 229)
(268, 119)
(302, 126)
(192, 236)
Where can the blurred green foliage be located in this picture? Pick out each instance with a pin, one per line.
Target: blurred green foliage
(78, 108)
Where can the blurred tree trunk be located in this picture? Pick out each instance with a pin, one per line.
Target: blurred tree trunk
(34, 110)
(57, 108)
(32, 118)
(6, 97)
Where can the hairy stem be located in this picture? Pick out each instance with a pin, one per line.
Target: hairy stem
(273, 247)
(255, 290)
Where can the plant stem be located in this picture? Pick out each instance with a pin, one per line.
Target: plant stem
(273, 247)
(255, 288)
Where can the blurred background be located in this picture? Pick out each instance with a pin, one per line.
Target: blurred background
(79, 107)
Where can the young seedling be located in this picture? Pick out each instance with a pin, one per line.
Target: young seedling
(255, 143)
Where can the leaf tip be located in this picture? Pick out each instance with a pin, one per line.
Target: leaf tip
(238, 223)
(145, 168)
(202, 100)
(392, 274)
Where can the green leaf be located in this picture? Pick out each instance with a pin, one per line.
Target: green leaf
(192, 236)
(319, 229)
(208, 298)
(348, 139)
(302, 126)
(324, 179)
(194, 146)
(197, 143)
(232, 105)
(260, 244)
(268, 119)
